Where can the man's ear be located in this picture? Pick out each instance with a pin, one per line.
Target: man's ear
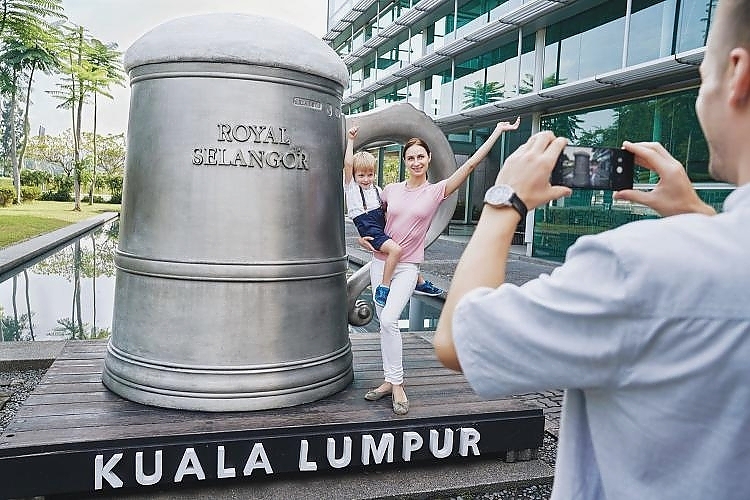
(739, 60)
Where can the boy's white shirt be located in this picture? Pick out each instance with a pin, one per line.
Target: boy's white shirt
(353, 197)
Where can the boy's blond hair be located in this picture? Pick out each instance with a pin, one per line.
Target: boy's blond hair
(363, 161)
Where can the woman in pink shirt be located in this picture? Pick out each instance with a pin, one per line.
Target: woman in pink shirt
(411, 204)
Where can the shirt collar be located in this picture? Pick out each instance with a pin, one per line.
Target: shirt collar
(737, 198)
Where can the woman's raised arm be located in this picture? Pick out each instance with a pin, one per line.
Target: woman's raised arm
(462, 173)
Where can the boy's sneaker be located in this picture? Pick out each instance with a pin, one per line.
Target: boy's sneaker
(427, 288)
(381, 294)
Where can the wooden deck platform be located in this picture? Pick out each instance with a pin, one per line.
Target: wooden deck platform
(72, 435)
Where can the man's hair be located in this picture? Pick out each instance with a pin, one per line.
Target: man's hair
(415, 141)
(363, 161)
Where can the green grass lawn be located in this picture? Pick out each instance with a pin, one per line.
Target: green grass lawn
(24, 221)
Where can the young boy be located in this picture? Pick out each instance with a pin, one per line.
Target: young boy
(364, 208)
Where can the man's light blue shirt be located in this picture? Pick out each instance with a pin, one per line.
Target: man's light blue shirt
(647, 327)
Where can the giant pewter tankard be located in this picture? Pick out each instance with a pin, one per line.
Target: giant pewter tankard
(231, 268)
(231, 290)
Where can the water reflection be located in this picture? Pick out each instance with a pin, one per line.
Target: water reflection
(70, 295)
(67, 295)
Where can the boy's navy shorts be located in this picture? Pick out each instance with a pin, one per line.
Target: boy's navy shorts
(372, 223)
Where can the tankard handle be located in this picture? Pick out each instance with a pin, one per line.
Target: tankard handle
(399, 122)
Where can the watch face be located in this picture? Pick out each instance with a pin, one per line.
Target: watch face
(499, 195)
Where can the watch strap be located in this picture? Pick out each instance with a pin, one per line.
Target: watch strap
(519, 205)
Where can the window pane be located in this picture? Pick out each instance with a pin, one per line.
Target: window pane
(601, 48)
(486, 78)
(651, 27)
(589, 43)
(694, 20)
(471, 16)
(503, 8)
(669, 119)
(551, 75)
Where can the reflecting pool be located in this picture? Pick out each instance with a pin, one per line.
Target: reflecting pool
(69, 294)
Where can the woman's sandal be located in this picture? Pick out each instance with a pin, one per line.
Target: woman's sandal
(400, 407)
(375, 394)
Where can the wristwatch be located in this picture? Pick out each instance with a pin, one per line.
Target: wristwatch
(502, 195)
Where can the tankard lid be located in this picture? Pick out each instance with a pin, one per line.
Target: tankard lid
(237, 38)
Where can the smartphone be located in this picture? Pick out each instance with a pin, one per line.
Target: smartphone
(585, 167)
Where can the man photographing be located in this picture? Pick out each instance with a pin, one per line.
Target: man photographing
(646, 326)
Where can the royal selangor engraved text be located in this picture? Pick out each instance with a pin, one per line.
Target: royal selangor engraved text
(265, 134)
(292, 158)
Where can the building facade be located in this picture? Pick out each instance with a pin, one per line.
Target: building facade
(598, 72)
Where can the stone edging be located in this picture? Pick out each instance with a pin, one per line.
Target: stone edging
(21, 253)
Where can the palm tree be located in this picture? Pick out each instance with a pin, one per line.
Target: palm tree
(481, 93)
(19, 16)
(107, 58)
(37, 55)
(11, 68)
(73, 92)
(25, 47)
(28, 303)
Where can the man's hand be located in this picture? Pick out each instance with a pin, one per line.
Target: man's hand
(364, 242)
(529, 168)
(673, 194)
(351, 134)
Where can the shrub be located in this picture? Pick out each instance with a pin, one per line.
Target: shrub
(56, 196)
(7, 195)
(30, 193)
(97, 199)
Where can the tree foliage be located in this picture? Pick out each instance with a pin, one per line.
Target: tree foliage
(23, 18)
(58, 152)
(28, 37)
(480, 93)
(90, 68)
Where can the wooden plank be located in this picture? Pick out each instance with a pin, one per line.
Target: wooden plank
(62, 408)
(180, 423)
(314, 415)
(430, 395)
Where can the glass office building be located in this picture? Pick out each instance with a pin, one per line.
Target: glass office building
(597, 72)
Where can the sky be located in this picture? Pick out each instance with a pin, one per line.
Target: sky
(124, 21)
